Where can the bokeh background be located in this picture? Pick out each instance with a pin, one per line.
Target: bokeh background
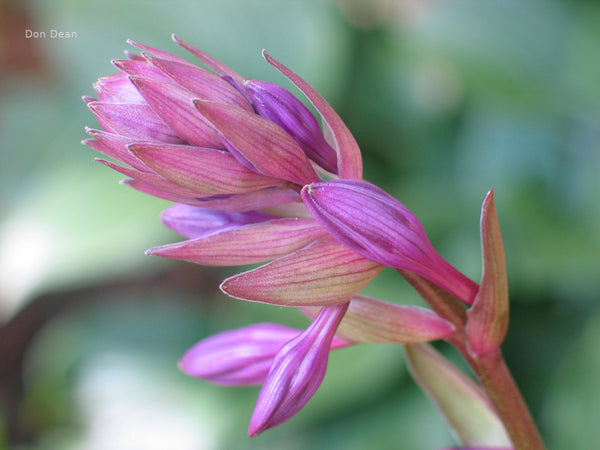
(447, 99)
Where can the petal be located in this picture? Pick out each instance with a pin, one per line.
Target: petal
(114, 146)
(259, 143)
(150, 178)
(377, 226)
(277, 104)
(237, 357)
(487, 322)
(201, 169)
(174, 105)
(135, 121)
(141, 69)
(160, 53)
(193, 222)
(204, 85)
(248, 201)
(297, 372)
(212, 63)
(240, 357)
(160, 192)
(117, 89)
(349, 158)
(323, 273)
(245, 244)
(375, 321)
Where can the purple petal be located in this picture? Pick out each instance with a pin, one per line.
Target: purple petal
(174, 105)
(297, 372)
(279, 105)
(193, 222)
(237, 357)
(136, 121)
(201, 169)
(377, 226)
(259, 143)
(324, 273)
(245, 244)
(349, 157)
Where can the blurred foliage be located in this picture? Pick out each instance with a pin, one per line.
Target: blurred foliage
(447, 99)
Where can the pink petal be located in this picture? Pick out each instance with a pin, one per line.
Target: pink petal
(204, 85)
(117, 88)
(141, 69)
(212, 63)
(201, 169)
(261, 143)
(323, 273)
(114, 146)
(136, 121)
(372, 320)
(152, 179)
(297, 372)
(349, 157)
(175, 107)
(245, 244)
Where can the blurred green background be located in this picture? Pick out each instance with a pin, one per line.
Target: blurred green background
(447, 99)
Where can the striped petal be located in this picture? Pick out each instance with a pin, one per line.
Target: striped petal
(349, 157)
(152, 179)
(114, 146)
(259, 143)
(205, 85)
(375, 321)
(323, 273)
(377, 226)
(245, 244)
(297, 372)
(279, 105)
(241, 357)
(248, 201)
(212, 63)
(201, 169)
(136, 121)
(175, 107)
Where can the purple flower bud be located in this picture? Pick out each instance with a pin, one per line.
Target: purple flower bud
(241, 357)
(237, 357)
(297, 372)
(378, 227)
(279, 106)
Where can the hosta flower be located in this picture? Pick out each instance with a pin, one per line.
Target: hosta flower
(234, 155)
